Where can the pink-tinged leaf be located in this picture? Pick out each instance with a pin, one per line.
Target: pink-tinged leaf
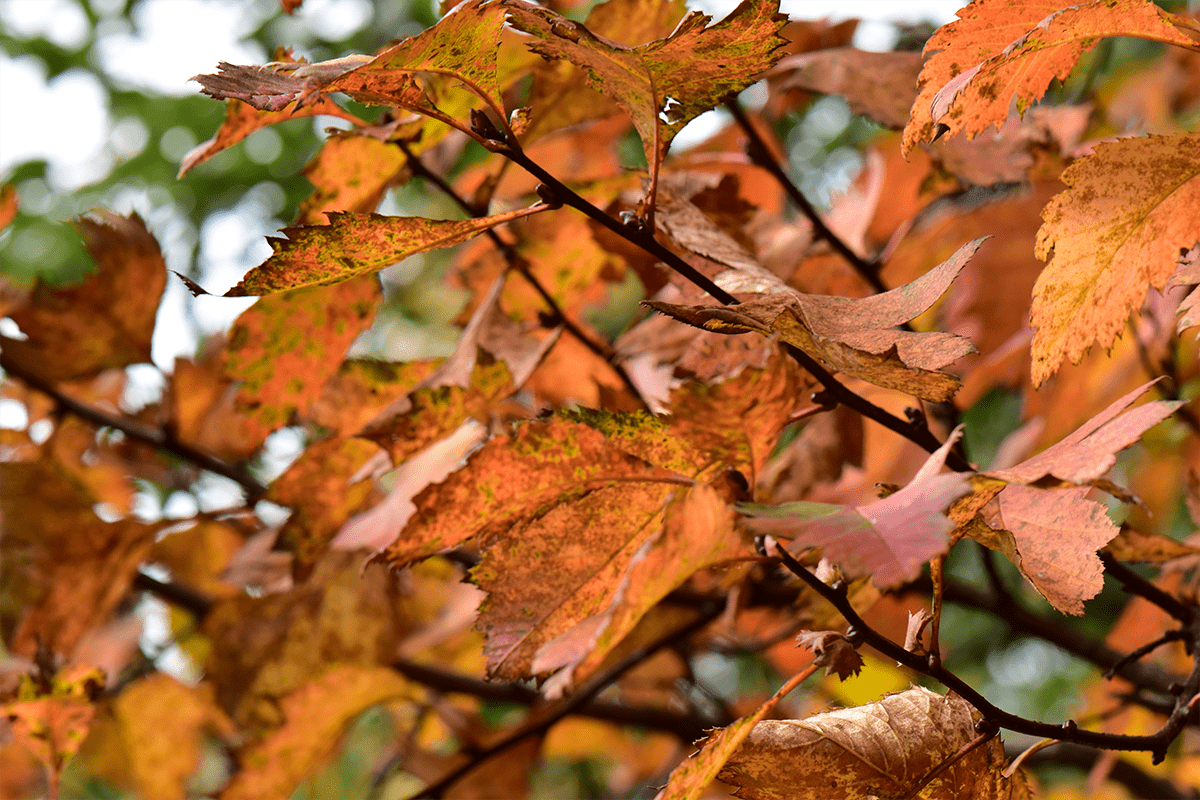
(355, 244)
(888, 539)
(1090, 452)
(1056, 533)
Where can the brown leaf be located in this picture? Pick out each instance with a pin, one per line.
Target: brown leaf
(833, 652)
(880, 749)
(105, 322)
(855, 336)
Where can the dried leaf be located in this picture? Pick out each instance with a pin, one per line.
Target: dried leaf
(880, 749)
(833, 652)
(1116, 230)
(855, 336)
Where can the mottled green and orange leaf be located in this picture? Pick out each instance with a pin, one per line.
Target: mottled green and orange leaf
(355, 244)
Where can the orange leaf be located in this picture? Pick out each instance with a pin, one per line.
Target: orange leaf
(355, 244)
(1116, 230)
(107, 320)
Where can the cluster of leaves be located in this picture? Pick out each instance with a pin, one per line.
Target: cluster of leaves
(595, 514)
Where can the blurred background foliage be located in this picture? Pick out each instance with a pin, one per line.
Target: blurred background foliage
(211, 225)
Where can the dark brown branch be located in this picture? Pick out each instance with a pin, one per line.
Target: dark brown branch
(757, 149)
(686, 727)
(1145, 650)
(583, 695)
(135, 430)
(187, 598)
(1136, 584)
(1156, 743)
(1139, 783)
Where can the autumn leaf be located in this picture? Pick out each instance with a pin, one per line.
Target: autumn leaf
(350, 173)
(1002, 50)
(664, 84)
(1188, 274)
(1052, 536)
(881, 86)
(856, 336)
(888, 539)
(1116, 230)
(354, 244)
(284, 347)
(697, 533)
(1091, 450)
(8, 204)
(243, 119)
(880, 749)
(455, 59)
(106, 321)
(315, 714)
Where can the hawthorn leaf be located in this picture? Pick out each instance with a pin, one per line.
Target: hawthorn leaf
(1187, 273)
(316, 714)
(881, 86)
(881, 749)
(664, 84)
(984, 28)
(1052, 536)
(1003, 50)
(1091, 450)
(888, 539)
(354, 244)
(105, 322)
(1117, 229)
(856, 336)
(362, 389)
(558, 572)
(243, 119)
(515, 478)
(284, 347)
(202, 409)
(833, 651)
(697, 533)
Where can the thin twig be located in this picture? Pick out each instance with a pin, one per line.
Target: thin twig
(1145, 650)
(1155, 743)
(759, 153)
(135, 430)
(1136, 584)
(518, 264)
(582, 696)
